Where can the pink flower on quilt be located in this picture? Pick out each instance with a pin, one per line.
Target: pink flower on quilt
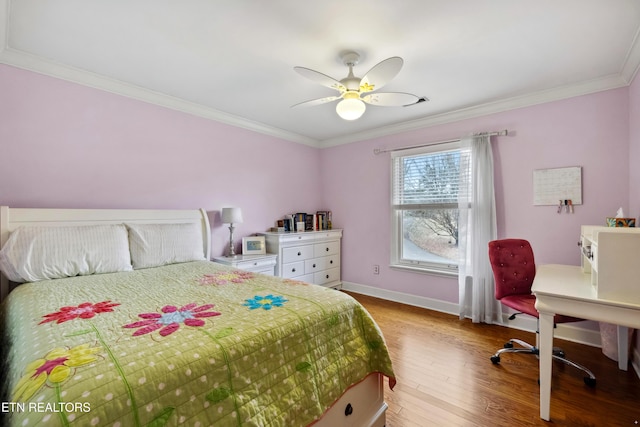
(225, 277)
(295, 282)
(170, 319)
(86, 310)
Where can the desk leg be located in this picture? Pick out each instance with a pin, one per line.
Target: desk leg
(546, 349)
(623, 347)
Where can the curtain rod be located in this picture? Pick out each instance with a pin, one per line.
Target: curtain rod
(504, 132)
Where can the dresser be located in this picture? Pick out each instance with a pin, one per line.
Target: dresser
(264, 264)
(309, 256)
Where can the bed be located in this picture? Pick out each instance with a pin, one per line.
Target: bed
(129, 324)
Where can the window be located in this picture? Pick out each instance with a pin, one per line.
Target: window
(424, 190)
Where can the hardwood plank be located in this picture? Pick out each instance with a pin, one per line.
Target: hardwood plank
(445, 377)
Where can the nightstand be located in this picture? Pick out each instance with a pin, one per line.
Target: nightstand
(264, 264)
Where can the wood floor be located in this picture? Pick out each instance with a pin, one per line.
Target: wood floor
(445, 377)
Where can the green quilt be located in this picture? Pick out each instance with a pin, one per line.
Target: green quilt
(193, 344)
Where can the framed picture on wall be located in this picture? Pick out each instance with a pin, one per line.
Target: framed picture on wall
(253, 245)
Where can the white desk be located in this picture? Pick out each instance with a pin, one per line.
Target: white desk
(565, 289)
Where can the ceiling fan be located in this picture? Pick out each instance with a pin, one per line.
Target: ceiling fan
(356, 91)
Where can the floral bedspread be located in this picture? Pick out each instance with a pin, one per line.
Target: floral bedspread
(193, 344)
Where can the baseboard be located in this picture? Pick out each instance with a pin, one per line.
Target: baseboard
(566, 332)
(408, 299)
(569, 332)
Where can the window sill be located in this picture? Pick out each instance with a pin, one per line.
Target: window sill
(425, 270)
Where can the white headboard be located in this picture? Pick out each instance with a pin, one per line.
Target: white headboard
(10, 219)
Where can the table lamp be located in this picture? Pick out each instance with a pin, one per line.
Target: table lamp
(231, 216)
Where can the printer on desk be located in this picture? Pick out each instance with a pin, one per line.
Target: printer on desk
(612, 256)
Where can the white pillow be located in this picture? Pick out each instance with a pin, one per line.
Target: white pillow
(40, 253)
(153, 245)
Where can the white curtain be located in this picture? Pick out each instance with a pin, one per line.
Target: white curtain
(476, 227)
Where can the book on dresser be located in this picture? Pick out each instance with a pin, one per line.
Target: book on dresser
(307, 256)
(309, 223)
(322, 220)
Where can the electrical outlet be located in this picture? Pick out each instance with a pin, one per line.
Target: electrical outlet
(376, 269)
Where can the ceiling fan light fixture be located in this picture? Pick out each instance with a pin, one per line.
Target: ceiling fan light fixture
(351, 107)
(356, 92)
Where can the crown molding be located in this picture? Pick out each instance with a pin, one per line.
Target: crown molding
(4, 25)
(541, 97)
(40, 65)
(632, 61)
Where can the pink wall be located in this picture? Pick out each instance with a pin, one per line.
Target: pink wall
(70, 146)
(66, 145)
(589, 131)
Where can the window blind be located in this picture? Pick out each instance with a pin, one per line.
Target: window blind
(429, 180)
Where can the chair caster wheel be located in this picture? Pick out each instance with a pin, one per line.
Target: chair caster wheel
(495, 359)
(591, 382)
(508, 345)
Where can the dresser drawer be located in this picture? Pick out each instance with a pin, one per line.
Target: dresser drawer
(297, 253)
(256, 264)
(329, 235)
(332, 261)
(315, 264)
(326, 248)
(293, 269)
(307, 278)
(267, 271)
(326, 276)
(297, 237)
(264, 264)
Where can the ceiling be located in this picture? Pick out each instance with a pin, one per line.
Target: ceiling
(232, 60)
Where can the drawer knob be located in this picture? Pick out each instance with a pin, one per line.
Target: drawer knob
(293, 270)
(314, 266)
(299, 253)
(327, 249)
(331, 262)
(348, 410)
(327, 276)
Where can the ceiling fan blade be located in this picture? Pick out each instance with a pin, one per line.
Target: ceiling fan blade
(391, 99)
(318, 101)
(381, 74)
(320, 78)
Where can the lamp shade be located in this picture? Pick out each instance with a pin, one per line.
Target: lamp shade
(350, 108)
(231, 215)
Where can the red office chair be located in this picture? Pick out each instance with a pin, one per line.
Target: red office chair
(514, 268)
